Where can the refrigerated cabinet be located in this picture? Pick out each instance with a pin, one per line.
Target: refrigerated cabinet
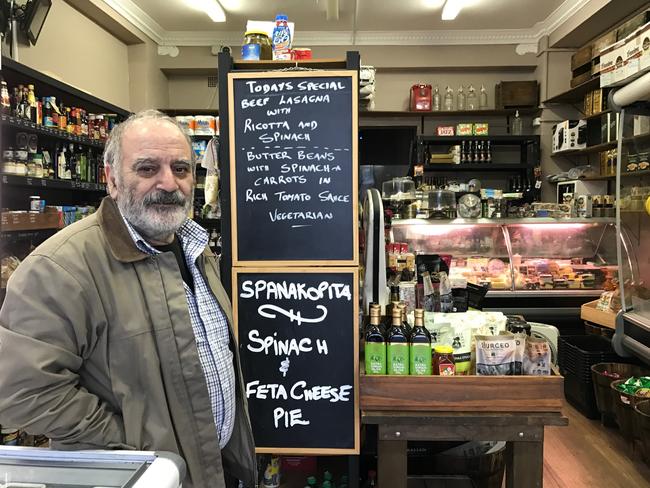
(543, 268)
(28, 467)
(633, 194)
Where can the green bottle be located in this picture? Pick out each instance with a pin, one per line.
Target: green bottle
(311, 482)
(420, 347)
(328, 482)
(375, 344)
(397, 349)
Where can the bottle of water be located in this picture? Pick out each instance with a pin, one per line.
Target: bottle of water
(449, 99)
(483, 99)
(461, 99)
(472, 102)
(436, 99)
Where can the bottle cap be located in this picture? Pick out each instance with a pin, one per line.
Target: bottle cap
(444, 349)
(281, 17)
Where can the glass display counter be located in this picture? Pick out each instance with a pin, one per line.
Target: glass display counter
(572, 256)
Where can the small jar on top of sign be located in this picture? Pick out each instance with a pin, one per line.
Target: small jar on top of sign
(256, 46)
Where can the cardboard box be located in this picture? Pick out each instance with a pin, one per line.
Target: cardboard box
(588, 104)
(597, 104)
(633, 50)
(641, 125)
(644, 37)
(611, 64)
(633, 24)
(569, 135)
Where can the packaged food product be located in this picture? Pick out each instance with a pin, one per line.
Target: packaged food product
(537, 357)
(299, 53)
(256, 46)
(462, 346)
(480, 129)
(443, 361)
(187, 123)
(520, 352)
(495, 355)
(205, 125)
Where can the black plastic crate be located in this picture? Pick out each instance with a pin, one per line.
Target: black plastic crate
(576, 354)
(580, 394)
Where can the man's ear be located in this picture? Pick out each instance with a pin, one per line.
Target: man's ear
(111, 183)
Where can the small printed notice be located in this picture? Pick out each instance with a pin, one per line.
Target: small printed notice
(293, 181)
(297, 339)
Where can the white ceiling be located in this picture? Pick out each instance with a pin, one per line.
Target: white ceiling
(360, 22)
(372, 15)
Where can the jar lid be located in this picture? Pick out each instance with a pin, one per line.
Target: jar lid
(258, 32)
(443, 349)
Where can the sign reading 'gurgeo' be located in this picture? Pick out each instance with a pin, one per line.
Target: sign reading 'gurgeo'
(298, 345)
(294, 177)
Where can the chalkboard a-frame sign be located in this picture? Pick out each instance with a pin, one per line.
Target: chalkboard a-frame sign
(293, 168)
(297, 333)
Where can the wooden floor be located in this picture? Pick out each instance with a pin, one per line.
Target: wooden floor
(586, 454)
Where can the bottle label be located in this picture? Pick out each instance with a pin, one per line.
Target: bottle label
(421, 359)
(398, 358)
(375, 353)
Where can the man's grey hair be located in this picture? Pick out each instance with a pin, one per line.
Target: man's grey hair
(113, 149)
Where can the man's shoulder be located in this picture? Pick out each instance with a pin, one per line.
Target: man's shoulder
(72, 241)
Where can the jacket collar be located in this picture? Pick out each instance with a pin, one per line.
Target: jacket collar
(117, 235)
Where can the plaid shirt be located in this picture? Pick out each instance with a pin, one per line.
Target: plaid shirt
(209, 325)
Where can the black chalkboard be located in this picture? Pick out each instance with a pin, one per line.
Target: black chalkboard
(297, 334)
(293, 167)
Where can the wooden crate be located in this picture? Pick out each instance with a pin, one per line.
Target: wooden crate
(462, 393)
(516, 94)
(590, 313)
(602, 42)
(11, 221)
(580, 79)
(581, 57)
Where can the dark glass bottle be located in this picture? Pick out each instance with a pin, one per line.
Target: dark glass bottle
(397, 346)
(375, 343)
(420, 353)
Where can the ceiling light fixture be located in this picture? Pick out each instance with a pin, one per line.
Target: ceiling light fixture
(212, 8)
(451, 9)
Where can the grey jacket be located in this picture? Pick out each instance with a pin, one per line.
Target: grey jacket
(97, 352)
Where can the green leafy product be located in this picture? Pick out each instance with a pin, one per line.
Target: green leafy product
(420, 363)
(398, 346)
(375, 343)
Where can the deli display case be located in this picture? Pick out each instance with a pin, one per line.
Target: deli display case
(632, 335)
(30, 467)
(543, 268)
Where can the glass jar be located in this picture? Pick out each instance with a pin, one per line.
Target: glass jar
(443, 361)
(37, 161)
(8, 161)
(21, 157)
(256, 46)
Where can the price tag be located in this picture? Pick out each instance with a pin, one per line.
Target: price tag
(538, 184)
(43, 182)
(29, 181)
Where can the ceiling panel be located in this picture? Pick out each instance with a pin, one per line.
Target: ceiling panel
(377, 15)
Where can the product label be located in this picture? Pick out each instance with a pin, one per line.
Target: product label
(421, 359)
(375, 357)
(398, 358)
(447, 369)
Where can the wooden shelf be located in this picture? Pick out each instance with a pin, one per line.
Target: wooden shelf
(173, 112)
(575, 94)
(598, 115)
(431, 168)
(613, 177)
(324, 63)
(498, 139)
(588, 150)
(452, 113)
(15, 180)
(10, 68)
(17, 123)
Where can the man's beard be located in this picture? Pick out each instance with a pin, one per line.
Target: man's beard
(156, 216)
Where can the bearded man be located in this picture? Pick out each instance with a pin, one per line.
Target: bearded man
(116, 333)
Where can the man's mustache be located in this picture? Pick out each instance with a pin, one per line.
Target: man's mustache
(163, 197)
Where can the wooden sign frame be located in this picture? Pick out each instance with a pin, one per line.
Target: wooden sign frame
(355, 166)
(355, 328)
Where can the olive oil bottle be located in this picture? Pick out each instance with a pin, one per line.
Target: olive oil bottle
(375, 343)
(397, 348)
(420, 347)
